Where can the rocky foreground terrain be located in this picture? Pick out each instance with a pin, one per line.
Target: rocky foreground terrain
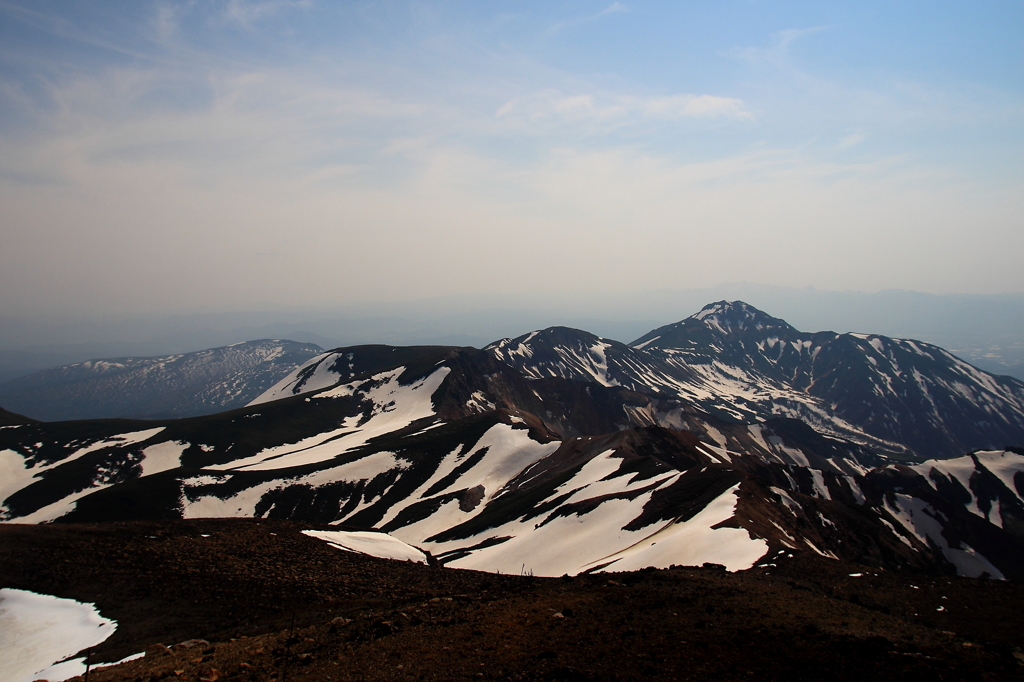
(273, 604)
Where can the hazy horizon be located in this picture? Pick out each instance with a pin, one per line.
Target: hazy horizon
(987, 330)
(165, 157)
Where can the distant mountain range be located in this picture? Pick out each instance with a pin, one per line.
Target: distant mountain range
(729, 438)
(171, 386)
(730, 359)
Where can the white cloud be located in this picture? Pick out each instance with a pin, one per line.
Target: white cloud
(614, 8)
(247, 12)
(851, 140)
(696, 106)
(618, 110)
(776, 54)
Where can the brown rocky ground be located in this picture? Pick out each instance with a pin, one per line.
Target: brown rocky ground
(276, 605)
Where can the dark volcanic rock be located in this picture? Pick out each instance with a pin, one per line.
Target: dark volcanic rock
(275, 604)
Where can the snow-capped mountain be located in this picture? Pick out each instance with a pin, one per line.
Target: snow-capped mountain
(181, 385)
(730, 359)
(342, 364)
(485, 466)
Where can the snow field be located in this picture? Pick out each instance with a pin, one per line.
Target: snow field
(693, 542)
(322, 377)
(23, 477)
(919, 519)
(162, 457)
(1003, 465)
(553, 545)
(38, 632)
(379, 545)
(395, 407)
(510, 451)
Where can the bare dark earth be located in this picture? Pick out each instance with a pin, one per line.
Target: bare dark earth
(272, 604)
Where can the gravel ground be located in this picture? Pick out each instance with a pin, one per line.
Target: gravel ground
(269, 603)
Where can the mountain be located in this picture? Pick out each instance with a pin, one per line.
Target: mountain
(900, 397)
(488, 464)
(824, 549)
(181, 385)
(901, 391)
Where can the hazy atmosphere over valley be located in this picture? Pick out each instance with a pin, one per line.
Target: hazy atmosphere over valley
(309, 160)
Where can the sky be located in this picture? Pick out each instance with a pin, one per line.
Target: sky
(213, 155)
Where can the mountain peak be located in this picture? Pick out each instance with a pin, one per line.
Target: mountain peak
(733, 316)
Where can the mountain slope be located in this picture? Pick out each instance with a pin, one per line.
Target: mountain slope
(900, 391)
(905, 398)
(179, 385)
(461, 455)
(12, 419)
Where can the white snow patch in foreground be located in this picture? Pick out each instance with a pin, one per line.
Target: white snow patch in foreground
(38, 632)
(380, 545)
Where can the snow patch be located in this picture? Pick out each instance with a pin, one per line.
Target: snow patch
(380, 545)
(921, 520)
(648, 342)
(694, 542)
(38, 632)
(162, 457)
(394, 407)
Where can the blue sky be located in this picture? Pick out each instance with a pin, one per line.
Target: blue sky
(236, 154)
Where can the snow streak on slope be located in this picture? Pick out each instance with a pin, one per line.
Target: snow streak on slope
(561, 352)
(693, 542)
(394, 407)
(314, 375)
(976, 475)
(586, 528)
(38, 631)
(198, 503)
(891, 394)
(346, 364)
(20, 469)
(501, 454)
(925, 523)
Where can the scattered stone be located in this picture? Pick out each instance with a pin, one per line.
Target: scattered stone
(190, 643)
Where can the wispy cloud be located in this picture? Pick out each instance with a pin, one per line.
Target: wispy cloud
(851, 140)
(777, 52)
(614, 8)
(617, 110)
(247, 12)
